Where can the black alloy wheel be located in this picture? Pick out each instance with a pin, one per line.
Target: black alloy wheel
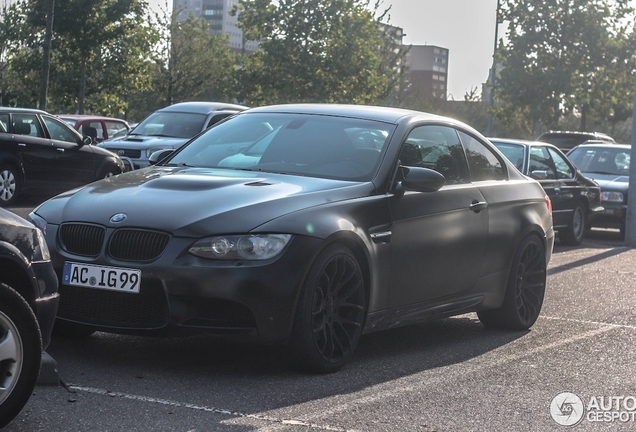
(525, 289)
(330, 312)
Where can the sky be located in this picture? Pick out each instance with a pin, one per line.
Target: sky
(465, 27)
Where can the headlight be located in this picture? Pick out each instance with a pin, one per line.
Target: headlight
(612, 196)
(152, 150)
(37, 221)
(241, 247)
(41, 248)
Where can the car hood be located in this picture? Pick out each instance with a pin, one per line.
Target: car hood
(143, 142)
(195, 201)
(609, 181)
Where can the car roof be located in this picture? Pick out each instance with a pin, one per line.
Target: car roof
(89, 116)
(385, 114)
(593, 135)
(202, 107)
(22, 110)
(604, 146)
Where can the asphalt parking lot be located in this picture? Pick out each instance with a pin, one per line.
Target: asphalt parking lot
(576, 363)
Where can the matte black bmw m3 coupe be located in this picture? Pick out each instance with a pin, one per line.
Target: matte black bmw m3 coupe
(306, 225)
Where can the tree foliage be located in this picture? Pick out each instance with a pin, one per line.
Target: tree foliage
(313, 51)
(562, 57)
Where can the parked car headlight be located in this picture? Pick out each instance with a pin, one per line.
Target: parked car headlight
(612, 196)
(152, 150)
(37, 221)
(241, 247)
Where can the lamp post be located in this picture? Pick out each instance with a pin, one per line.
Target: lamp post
(630, 223)
(489, 128)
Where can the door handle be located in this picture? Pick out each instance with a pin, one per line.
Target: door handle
(478, 206)
(61, 150)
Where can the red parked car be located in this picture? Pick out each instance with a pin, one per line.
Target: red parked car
(97, 127)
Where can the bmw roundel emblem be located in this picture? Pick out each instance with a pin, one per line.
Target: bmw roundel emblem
(120, 152)
(119, 217)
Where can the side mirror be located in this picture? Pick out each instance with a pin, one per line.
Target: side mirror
(421, 179)
(159, 155)
(539, 174)
(86, 140)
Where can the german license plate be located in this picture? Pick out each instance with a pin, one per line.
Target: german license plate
(102, 277)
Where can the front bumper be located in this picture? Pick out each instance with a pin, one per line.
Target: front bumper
(184, 294)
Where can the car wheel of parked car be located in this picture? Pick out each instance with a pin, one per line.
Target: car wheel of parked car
(67, 329)
(9, 184)
(525, 289)
(330, 312)
(20, 353)
(573, 234)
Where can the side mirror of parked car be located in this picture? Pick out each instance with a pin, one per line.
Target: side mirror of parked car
(422, 179)
(158, 155)
(86, 140)
(539, 174)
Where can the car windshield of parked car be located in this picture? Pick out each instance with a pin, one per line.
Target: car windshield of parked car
(309, 145)
(171, 124)
(601, 160)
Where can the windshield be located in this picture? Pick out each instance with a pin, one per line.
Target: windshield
(601, 160)
(171, 124)
(311, 145)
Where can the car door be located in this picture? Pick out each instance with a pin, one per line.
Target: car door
(568, 188)
(434, 233)
(35, 152)
(543, 169)
(75, 163)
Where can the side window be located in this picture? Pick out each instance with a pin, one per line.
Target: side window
(540, 161)
(94, 130)
(113, 127)
(483, 163)
(60, 131)
(563, 169)
(4, 122)
(437, 148)
(27, 124)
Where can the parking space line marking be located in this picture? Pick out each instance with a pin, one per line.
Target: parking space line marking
(469, 367)
(599, 323)
(214, 410)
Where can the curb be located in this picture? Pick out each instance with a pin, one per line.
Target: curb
(49, 375)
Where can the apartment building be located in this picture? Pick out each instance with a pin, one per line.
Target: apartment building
(217, 13)
(428, 70)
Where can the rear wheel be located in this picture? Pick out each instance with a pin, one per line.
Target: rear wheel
(20, 353)
(572, 235)
(524, 291)
(9, 184)
(330, 312)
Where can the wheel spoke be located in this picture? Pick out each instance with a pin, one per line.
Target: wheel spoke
(8, 347)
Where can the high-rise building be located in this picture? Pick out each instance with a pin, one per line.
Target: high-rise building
(428, 70)
(217, 13)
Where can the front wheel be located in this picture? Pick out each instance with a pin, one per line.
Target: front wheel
(525, 289)
(20, 353)
(330, 313)
(572, 235)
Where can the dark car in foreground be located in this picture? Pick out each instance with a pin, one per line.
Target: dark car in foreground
(28, 304)
(169, 128)
(608, 165)
(566, 140)
(575, 198)
(336, 221)
(43, 154)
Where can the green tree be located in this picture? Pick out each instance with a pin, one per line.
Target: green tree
(556, 57)
(313, 51)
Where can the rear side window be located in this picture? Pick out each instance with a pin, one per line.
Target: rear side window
(484, 165)
(4, 122)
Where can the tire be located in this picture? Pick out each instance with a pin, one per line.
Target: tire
(573, 234)
(525, 289)
(20, 353)
(70, 330)
(10, 184)
(330, 313)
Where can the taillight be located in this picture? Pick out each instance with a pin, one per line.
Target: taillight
(548, 204)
